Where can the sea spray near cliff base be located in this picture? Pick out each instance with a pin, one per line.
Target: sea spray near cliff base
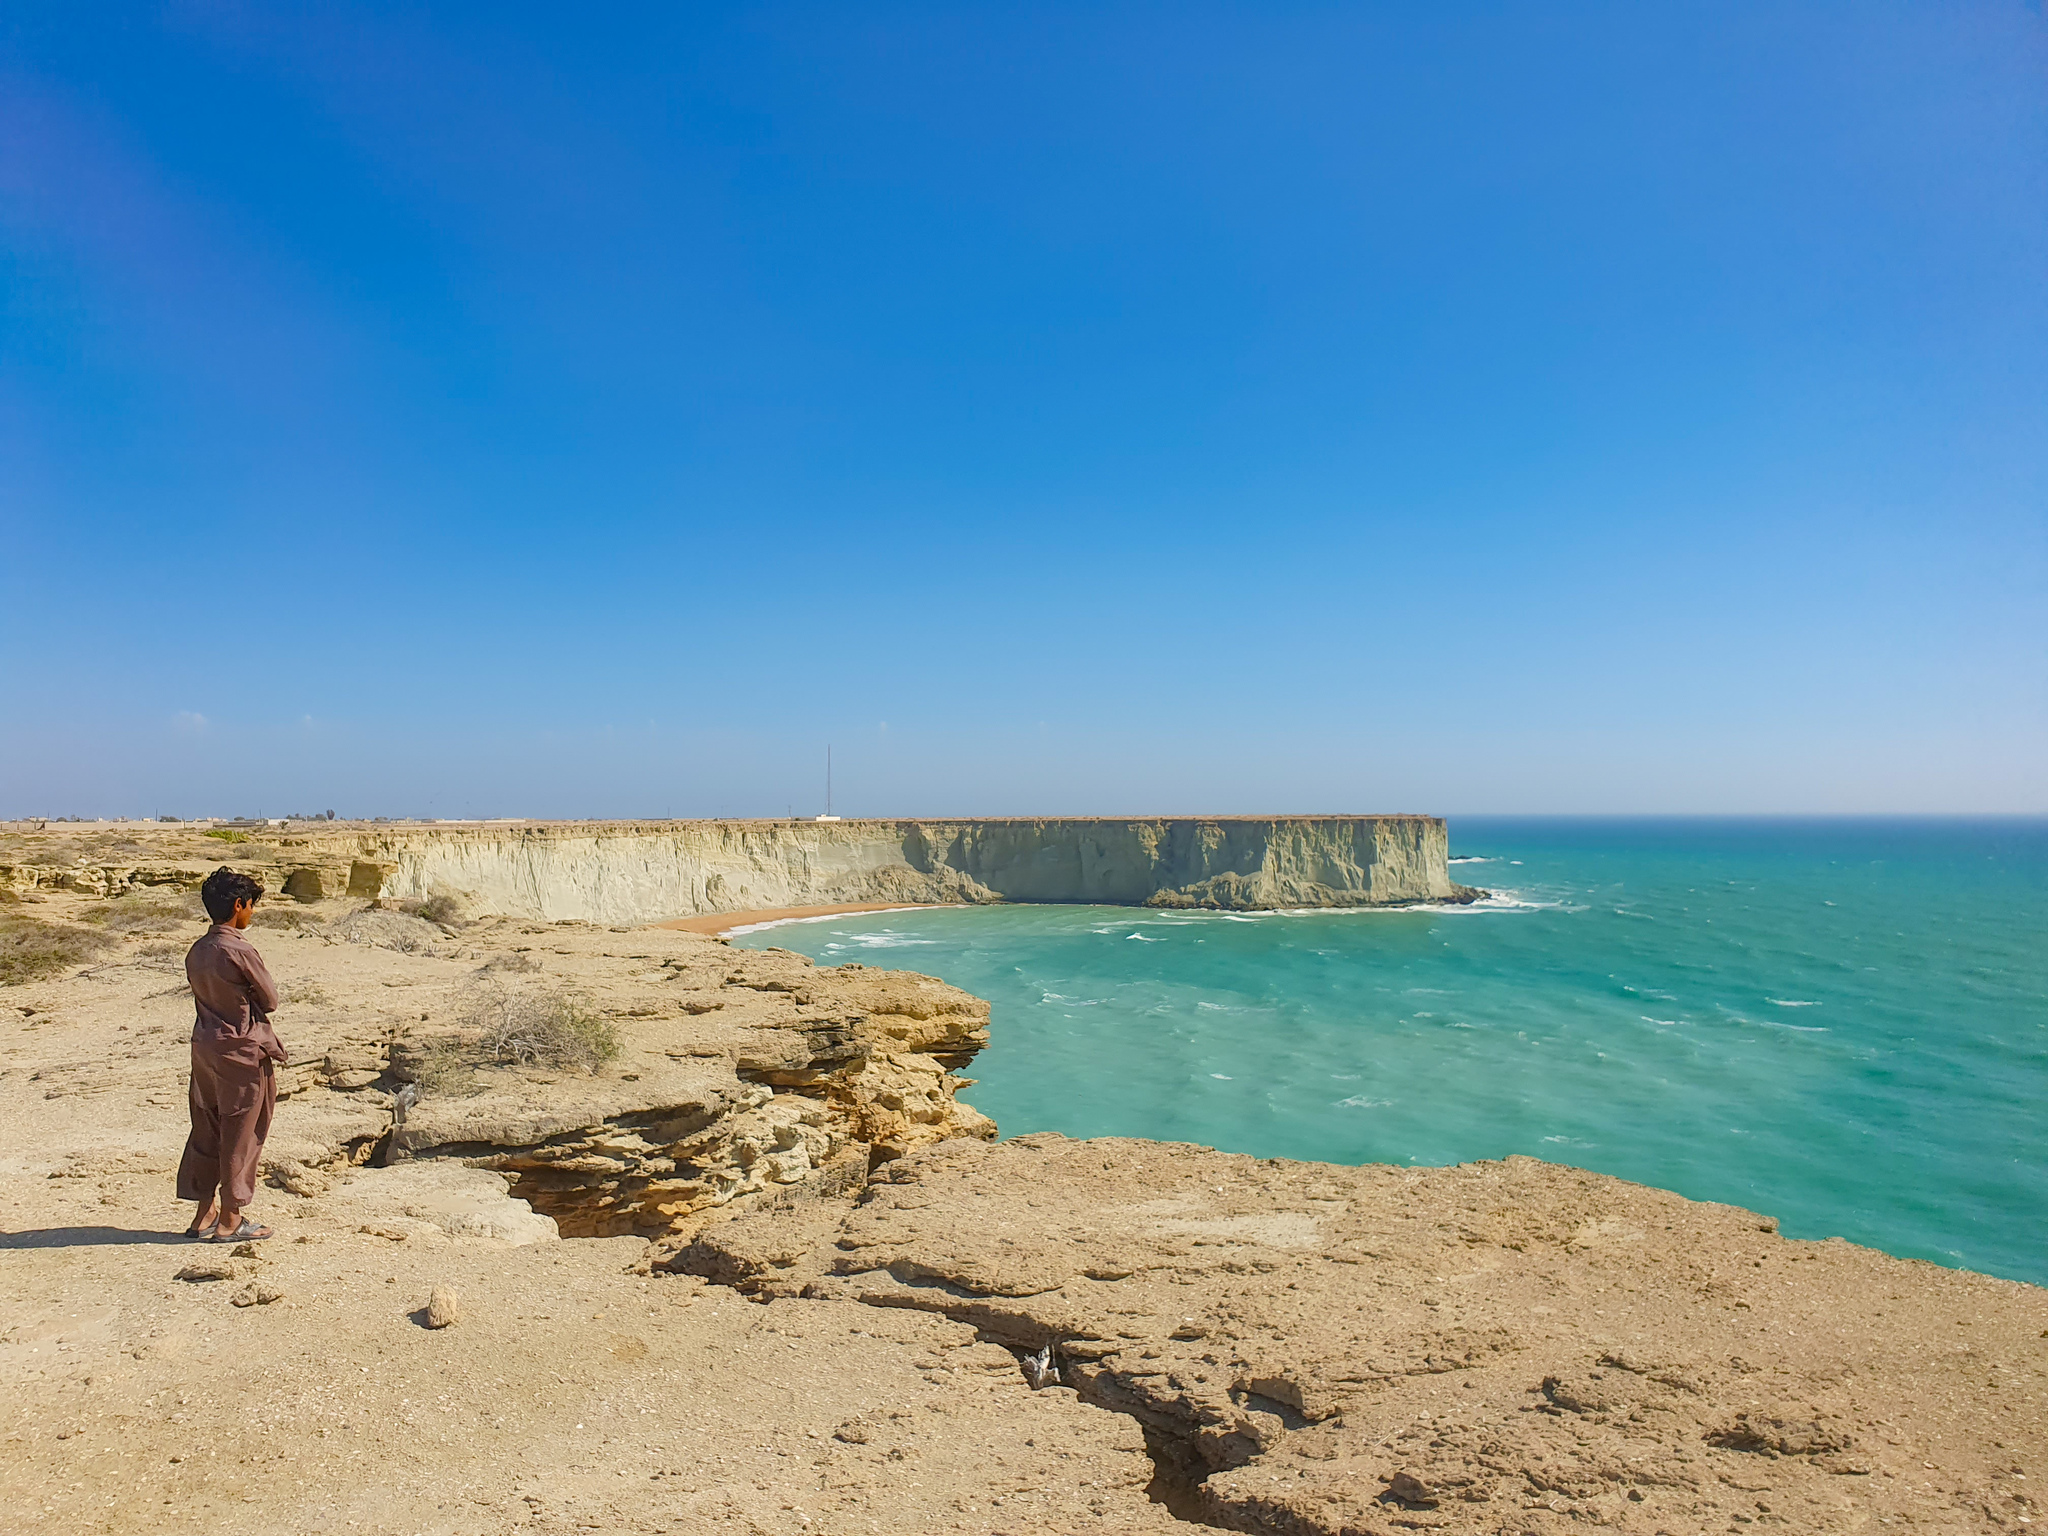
(1842, 1024)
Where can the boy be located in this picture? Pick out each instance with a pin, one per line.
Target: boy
(234, 1056)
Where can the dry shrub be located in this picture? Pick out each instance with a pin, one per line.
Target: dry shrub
(547, 1029)
(228, 835)
(268, 916)
(30, 951)
(506, 1028)
(149, 912)
(442, 909)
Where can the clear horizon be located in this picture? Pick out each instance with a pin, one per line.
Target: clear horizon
(457, 412)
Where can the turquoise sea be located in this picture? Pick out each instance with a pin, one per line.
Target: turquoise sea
(1843, 1024)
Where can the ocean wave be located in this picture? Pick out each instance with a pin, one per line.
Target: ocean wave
(829, 917)
(1471, 858)
(1789, 1002)
(1223, 1077)
(885, 941)
(1360, 1101)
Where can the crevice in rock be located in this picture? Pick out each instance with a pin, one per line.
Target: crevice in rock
(1178, 1479)
(1177, 1471)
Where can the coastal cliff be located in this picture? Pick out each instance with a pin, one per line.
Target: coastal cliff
(640, 872)
(804, 1290)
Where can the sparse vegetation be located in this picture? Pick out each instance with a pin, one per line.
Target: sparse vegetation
(228, 835)
(549, 1029)
(503, 1028)
(148, 912)
(442, 909)
(30, 951)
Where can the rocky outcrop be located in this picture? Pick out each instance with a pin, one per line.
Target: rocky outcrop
(739, 1072)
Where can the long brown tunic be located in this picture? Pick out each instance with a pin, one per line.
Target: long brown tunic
(234, 1081)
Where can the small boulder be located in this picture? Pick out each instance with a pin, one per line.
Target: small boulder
(256, 1294)
(207, 1269)
(1410, 1489)
(444, 1307)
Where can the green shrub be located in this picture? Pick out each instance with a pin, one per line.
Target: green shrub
(229, 835)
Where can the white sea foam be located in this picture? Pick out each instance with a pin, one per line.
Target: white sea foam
(1142, 939)
(885, 941)
(1789, 1002)
(829, 917)
(1360, 1101)
(1471, 858)
(1222, 1077)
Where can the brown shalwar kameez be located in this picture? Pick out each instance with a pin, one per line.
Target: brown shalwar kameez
(234, 1084)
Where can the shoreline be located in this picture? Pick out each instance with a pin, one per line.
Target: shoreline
(725, 924)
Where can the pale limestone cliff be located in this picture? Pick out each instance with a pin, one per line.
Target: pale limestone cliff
(639, 872)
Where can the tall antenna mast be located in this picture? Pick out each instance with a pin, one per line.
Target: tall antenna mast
(828, 816)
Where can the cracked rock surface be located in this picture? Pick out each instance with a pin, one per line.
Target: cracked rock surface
(1498, 1347)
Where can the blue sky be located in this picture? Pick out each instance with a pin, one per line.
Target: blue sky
(502, 409)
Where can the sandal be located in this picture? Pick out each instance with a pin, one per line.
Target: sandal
(200, 1234)
(247, 1232)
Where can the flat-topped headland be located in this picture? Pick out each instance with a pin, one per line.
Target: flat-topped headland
(649, 871)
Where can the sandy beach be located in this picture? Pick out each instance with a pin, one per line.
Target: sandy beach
(727, 922)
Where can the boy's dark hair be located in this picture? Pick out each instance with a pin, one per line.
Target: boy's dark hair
(223, 888)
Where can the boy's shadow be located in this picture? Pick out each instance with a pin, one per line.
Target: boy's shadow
(90, 1237)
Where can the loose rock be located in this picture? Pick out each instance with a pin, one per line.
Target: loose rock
(444, 1307)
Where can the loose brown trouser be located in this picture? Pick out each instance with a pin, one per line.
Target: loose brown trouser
(234, 1092)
